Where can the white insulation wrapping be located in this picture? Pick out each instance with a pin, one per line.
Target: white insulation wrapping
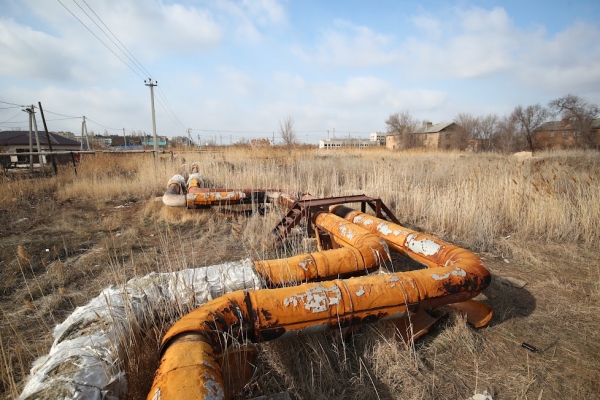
(172, 199)
(195, 176)
(86, 360)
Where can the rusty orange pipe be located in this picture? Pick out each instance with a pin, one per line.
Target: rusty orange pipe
(200, 196)
(363, 250)
(191, 371)
(427, 250)
(424, 248)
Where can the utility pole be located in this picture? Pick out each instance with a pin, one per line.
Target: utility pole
(37, 140)
(87, 138)
(30, 142)
(189, 132)
(273, 139)
(124, 139)
(151, 85)
(48, 139)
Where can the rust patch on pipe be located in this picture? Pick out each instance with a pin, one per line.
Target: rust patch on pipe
(363, 250)
(432, 252)
(454, 275)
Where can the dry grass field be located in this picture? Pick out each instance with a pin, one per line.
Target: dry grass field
(63, 239)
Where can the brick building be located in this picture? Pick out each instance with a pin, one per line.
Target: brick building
(444, 135)
(563, 134)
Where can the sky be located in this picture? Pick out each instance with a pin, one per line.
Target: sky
(229, 70)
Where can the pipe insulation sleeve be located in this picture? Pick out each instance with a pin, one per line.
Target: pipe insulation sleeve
(174, 196)
(86, 358)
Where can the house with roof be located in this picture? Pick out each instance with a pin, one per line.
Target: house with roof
(443, 135)
(18, 142)
(566, 134)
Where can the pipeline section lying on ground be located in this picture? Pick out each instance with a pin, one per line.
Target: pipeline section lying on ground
(86, 358)
(189, 367)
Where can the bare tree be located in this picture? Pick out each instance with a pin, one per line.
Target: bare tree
(508, 138)
(467, 128)
(404, 125)
(529, 119)
(488, 129)
(286, 130)
(580, 113)
(399, 123)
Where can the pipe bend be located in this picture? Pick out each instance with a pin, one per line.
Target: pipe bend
(457, 269)
(363, 250)
(223, 314)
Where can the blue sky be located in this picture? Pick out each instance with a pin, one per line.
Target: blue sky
(234, 69)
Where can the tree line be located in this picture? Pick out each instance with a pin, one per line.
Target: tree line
(509, 133)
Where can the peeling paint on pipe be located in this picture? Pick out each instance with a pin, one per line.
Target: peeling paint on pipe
(424, 248)
(363, 250)
(269, 314)
(432, 252)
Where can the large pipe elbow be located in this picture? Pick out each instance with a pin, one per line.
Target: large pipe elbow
(174, 196)
(364, 250)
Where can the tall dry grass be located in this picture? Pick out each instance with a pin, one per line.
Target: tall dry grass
(486, 202)
(475, 199)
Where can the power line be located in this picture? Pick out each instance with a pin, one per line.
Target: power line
(96, 36)
(12, 118)
(123, 49)
(105, 127)
(115, 36)
(168, 109)
(62, 115)
(6, 108)
(13, 104)
(222, 130)
(169, 105)
(61, 119)
(168, 114)
(102, 30)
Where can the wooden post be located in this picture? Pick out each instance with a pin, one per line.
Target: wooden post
(48, 139)
(73, 160)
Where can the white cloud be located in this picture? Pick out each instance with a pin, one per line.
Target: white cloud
(108, 106)
(156, 28)
(32, 54)
(368, 91)
(265, 11)
(249, 15)
(350, 46)
(487, 42)
(468, 44)
(236, 82)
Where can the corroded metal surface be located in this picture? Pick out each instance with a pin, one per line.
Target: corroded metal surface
(363, 250)
(269, 314)
(454, 275)
(430, 251)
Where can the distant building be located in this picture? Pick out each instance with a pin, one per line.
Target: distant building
(149, 141)
(68, 135)
(434, 136)
(341, 143)
(563, 134)
(18, 142)
(378, 137)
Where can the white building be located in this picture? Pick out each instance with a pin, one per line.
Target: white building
(340, 143)
(378, 137)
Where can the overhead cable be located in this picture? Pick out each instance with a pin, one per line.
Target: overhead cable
(96, 36)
